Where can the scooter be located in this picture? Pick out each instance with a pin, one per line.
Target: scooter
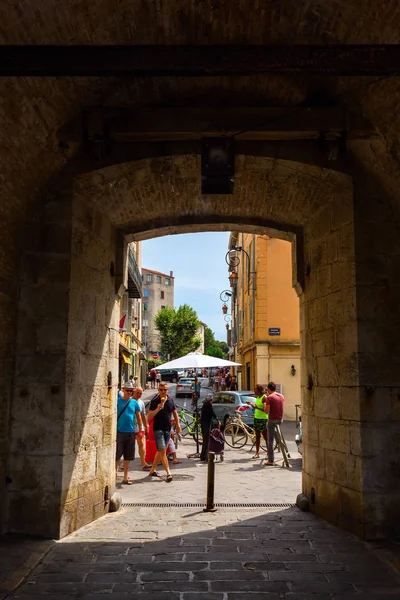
(299, 436)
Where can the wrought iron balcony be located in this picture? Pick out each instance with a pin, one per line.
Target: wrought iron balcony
(134, 277)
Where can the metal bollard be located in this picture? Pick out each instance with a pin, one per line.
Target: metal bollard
(210, 483)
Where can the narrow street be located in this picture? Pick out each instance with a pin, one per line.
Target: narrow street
(161, 545)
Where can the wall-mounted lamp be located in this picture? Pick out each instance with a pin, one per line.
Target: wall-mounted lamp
(224, 309)
(233, 280)
(293, 370)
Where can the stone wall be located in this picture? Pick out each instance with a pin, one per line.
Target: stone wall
(91, 359)
(63, 423)
(37, 426)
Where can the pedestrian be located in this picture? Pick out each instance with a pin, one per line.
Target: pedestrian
(152, 376)
(128, 414)
(260, 418)
(141, 433)
(206, 416)
(228, 381)
(273, 406)
(158, 378)
(131, 380)
(162, 409)
(135, 381)
(234, 386)
(195, 387)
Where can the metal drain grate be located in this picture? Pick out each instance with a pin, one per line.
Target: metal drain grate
(201, 505)
(182, 477)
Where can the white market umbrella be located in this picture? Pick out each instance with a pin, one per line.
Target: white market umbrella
(197, 360)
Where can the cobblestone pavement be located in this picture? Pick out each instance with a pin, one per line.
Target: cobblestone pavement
(237, 479)
(185, 554)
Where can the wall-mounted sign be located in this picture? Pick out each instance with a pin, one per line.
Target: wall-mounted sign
(274, 331)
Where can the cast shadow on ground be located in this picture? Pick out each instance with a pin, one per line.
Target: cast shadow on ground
(284, 554)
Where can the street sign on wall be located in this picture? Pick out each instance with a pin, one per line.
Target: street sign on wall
(274, 331)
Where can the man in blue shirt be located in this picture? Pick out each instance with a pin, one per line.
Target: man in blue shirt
(128, 411)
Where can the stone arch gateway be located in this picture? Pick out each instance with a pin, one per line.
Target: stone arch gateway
(68, 324)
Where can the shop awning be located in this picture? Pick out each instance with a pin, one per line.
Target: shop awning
(126, 358)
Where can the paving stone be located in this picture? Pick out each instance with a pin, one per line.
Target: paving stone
(320, 588)
(165, 576)
(173, 566)
(196, 596)
(248, 586)
(163, 586)
(127, 576)
(295, 576)
(290, 557)
(228, 575)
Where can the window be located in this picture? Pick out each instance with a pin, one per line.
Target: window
(149, 278)
(158, 279)
(162, 295)
(228, 399)
(145, 305)
(166, 281)
(146, 293)
(162, 307)
(145, 323)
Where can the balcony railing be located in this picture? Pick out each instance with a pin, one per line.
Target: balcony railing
(134, 277)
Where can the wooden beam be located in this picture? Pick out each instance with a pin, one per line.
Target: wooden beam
(87, 60)
(245, 123)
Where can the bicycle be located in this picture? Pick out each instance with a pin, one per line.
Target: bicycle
(237, 433)
(281, 443)
(190, 423)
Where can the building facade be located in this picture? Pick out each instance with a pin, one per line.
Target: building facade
(158, 293)
(265, 328)
(131, 357)
(200, 335)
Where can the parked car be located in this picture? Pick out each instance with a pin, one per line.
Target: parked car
(169, 375)
(225, 404)
(183, 387)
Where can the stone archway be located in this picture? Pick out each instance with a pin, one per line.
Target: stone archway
(311, 205)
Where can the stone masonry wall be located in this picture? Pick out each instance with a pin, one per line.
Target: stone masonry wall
(332, 475)
(377, 244)
(36, 446)
(92, 354)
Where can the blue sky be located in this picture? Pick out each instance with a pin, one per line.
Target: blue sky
(200, 271)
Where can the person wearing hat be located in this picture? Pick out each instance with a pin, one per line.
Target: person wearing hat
(128, 415)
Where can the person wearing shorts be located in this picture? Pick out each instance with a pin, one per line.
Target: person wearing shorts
(162, 409)
(260, 418)
(141, 434)
(128, 413)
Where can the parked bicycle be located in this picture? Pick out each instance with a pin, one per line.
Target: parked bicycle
(190, 423)
(237, 433)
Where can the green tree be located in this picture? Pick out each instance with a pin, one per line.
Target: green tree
(212, 346)
(178, 328)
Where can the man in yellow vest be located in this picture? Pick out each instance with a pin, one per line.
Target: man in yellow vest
(260, 418)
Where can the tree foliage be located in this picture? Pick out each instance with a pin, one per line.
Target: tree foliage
(178, 329)
(214, 347)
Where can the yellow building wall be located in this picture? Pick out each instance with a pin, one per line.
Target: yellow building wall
(275, 305)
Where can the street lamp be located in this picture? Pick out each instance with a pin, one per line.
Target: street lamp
(233, 280)
(224, 309)
(233, 261)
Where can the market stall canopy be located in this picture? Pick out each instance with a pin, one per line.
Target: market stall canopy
(197, 360)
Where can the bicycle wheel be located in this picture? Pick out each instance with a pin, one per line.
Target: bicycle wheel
(184, 428)
(235, 436)
(195, 430)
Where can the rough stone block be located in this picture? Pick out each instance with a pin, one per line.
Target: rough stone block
(349, 400)
(326, 402)
(336, 467)
(343, 275)
(317, 313)
(323, 342)
(324, 281)
(334, 435)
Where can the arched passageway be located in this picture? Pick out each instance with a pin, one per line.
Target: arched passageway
(63, 232)
(69, 314)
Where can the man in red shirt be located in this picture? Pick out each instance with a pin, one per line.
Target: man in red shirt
(273, 406)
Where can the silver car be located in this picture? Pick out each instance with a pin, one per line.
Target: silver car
(225, 404)
(184, 387)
